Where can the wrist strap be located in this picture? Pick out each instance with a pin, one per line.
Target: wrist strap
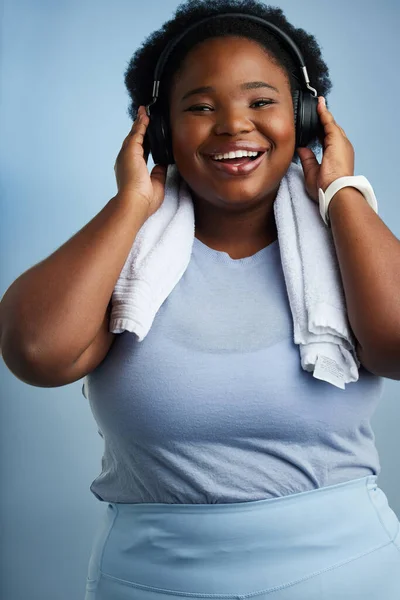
(359, 182)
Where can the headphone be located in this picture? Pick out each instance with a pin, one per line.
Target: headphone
(306, 118)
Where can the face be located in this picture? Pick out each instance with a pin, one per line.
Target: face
(229, 115)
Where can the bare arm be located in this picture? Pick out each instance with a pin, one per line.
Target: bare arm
(54, 319)
(52, 313)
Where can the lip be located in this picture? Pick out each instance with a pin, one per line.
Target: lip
(237, 170)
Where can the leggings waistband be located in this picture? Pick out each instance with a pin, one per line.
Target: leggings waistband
(242, 547)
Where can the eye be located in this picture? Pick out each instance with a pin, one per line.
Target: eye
(197, 107)
(265, 101)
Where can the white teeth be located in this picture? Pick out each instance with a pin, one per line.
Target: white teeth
(237, 154)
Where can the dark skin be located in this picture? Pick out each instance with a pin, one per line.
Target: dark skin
(233, 214)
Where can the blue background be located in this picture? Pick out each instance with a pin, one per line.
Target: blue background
(63, 120)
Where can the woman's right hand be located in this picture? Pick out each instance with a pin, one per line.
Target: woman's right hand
(131, 170)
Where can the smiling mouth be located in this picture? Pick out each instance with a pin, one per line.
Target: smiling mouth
(237, 166)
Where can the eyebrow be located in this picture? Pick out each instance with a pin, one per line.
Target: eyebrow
(250, 85)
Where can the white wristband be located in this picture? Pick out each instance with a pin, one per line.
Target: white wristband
(359, 182)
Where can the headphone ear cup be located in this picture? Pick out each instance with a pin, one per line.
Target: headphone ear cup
(155, 131)
(167, 142)
(308, 123)
(296, 94)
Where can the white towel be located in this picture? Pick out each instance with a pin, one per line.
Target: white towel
(161, 253)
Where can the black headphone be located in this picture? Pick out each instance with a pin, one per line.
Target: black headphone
(306, 118)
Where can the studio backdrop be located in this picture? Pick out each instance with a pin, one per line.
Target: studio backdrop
(63, 119)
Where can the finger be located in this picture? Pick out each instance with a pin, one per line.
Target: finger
(325, 115)
(308, 160)
(306, 154)
(328, 122)
(138, 121)
(138, 130)
(158, 176)
(135, 124)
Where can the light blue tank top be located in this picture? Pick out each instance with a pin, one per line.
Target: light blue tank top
(213, 405)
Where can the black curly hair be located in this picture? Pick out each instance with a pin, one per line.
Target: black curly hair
(139, 73)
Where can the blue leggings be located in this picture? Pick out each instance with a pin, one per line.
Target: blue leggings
(340, 542)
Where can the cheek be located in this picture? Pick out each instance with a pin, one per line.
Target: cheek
(187, 136)
(282, 127)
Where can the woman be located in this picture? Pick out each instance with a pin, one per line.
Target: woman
(228, 471)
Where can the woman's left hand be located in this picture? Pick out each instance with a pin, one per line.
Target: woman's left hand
(337, 159)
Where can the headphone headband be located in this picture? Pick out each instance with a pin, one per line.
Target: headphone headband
(165, 54)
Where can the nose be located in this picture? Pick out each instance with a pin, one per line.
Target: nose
(232, 121)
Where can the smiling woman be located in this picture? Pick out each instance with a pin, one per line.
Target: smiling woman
(232, 467)
(258, 458)
(226, 113)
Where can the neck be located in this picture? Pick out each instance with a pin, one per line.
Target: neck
(240, 234)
